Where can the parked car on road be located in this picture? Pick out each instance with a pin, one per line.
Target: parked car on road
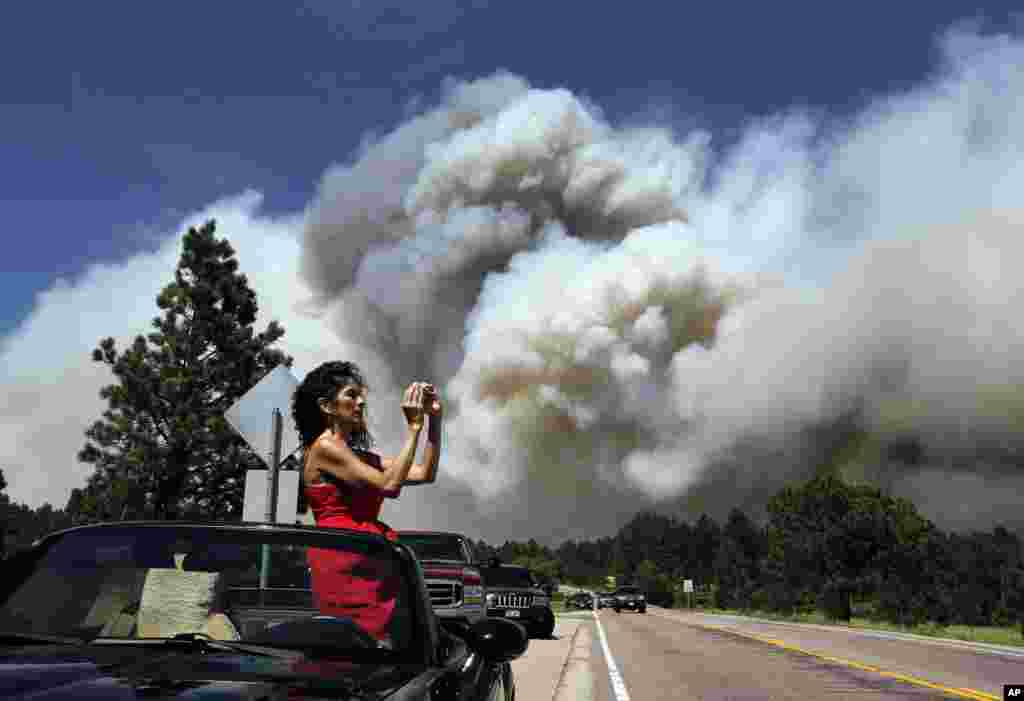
(580, 600)
(605, 600)
(452, 574)
(513, 593)
(630, 598)
(188, 610)
(547, 584)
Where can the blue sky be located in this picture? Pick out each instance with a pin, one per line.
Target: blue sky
(117, 120)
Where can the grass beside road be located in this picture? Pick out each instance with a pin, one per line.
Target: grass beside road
(558, 603)
(995, 635)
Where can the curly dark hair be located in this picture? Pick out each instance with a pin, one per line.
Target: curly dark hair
(324, 383)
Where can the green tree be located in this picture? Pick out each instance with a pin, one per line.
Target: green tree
(737, 561)
(647, 537)
(6, 527)
(163, 445)
(707, 536)
(618, 564)
(107, 496)
(645, 572)
(5, 501)
(829, 541)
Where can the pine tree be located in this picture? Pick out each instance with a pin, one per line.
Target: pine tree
(163, 447)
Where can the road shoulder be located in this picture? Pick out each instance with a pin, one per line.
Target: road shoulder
(540, 670)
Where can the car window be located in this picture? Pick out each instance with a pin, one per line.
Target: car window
(507, 577)
(434, 547)
(281, 589)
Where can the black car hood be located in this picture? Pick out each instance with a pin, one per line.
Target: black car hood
(49, 674)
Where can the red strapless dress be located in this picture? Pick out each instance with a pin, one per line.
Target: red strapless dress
(347, 584)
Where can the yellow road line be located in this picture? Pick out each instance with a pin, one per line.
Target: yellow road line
(961, 692)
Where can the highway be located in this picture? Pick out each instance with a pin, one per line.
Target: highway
(667, 654)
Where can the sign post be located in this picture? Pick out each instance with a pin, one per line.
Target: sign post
(271, 514)
(248, 416)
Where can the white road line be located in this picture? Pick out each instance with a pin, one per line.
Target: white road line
(618, 684)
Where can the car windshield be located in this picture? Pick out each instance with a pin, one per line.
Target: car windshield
(628, 590)
(507, 577)
(433, 547)
(289, 589)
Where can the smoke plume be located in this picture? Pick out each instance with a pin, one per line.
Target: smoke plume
(622, 317)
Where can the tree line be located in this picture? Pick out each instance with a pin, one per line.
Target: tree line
(825, 545)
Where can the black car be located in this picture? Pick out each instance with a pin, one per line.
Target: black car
(176, 610)
(514, 593)
(631, 599)
(580, 600)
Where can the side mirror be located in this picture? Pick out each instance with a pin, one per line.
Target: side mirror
(498, 640)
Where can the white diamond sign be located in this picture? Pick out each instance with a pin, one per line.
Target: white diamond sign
(252, 414)
(254, 504)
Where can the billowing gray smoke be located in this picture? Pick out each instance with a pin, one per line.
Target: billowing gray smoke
(623, 317)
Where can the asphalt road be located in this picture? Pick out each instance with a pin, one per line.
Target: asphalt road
(677, 655)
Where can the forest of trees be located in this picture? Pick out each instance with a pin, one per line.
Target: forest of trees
(163, 450)
(826, 546)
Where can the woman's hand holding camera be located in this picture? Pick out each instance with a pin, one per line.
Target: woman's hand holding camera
(432, 401)
(420, 400)
(412, 406)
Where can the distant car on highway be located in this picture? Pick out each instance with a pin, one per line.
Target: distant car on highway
(452, 573)
(513, 593)
(630, 598)
(549, 585)
(583, 600)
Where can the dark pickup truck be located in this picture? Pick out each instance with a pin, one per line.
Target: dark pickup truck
(630, 598)
(453, 577)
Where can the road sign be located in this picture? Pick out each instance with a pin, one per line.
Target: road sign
(269, 398)
(254, 505)
(250, 415)
(687, 586)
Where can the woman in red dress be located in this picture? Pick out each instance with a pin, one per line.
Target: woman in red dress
(345, 485)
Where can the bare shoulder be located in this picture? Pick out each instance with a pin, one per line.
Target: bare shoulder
(310, 473)
(321, 453)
